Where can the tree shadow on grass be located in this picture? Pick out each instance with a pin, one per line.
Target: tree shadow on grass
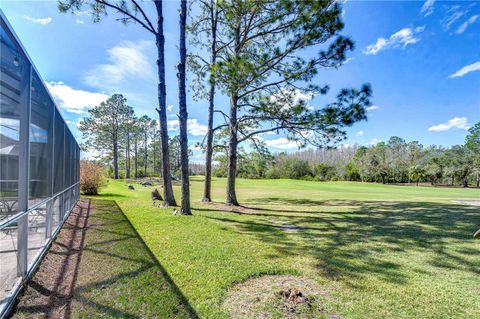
(108, 271)
(349, 239)
(109, 195)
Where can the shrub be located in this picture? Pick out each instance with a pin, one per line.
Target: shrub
(351, 172)
(290, 168)
(92, 177)
(324, 172)
(272, 173)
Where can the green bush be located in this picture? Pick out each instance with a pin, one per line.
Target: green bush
(324, 172)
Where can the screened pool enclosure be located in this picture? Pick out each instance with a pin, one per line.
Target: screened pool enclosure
(39, 167)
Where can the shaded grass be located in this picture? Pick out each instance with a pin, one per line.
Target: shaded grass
(115, 275)
(119, 275)
(383, 251)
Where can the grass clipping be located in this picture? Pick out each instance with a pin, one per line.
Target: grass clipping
(277, 296)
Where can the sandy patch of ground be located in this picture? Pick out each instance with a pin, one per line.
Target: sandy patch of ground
(277, 296)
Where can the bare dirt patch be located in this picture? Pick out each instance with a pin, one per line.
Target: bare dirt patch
(278, 296)
(49, 293)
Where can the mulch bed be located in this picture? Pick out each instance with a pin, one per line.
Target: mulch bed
(49, 293)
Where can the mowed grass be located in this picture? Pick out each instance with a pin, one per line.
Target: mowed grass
(118, 276)
(381, 251)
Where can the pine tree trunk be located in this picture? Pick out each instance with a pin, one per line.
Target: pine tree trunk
(136, 158)
(126, 162)
(127, 156)
(115, 156)
(207, 197)
(232, 154)
(145, 156)
(154, 154)
(169, 198)
(183, 114)
(233, 138)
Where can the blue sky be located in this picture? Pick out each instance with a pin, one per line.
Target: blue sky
(421, 58)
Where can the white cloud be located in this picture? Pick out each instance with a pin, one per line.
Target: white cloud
(127, 61)
(83, 13)
(372, 108)
(79, 21)
(456, 122)
(373, 142)
(294, 96)
(453, 14)
(72, 100)
(401, 38)
(465, 25)
(38, 20)
(195, 147)
(348, 60)
(282, 143)
(466, 69)
(360, 133)
(194, 127)
(170, 108)
(427, 8)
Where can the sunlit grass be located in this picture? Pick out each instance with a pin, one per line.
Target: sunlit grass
(382, 251)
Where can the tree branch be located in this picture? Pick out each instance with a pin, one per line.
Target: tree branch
(126, 13)
(247, 136)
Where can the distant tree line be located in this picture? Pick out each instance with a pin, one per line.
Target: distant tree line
(127, 144)
(394, 161)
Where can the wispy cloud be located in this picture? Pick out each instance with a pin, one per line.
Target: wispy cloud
(282, 143)
(72, 100)
(83, 13)
(427, 8)
(373, 141)
(79, 21)
(194, 127)
(456, 122)
(127, 61)
(360, 133)
(453, 14)
(38, 20)
(399, 39)
(466, 69)
(465, 25)
(348, 60)
(372, 108)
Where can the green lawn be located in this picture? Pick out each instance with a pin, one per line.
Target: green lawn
(381, 251)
